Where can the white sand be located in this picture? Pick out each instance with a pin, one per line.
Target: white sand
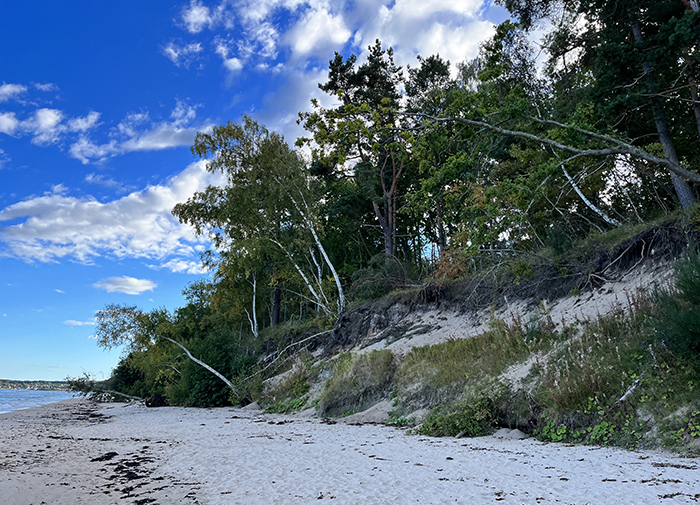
(434, 326)
(228, 456)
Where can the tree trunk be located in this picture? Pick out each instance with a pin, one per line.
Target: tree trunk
(276, 305)
(201, 363)
(683, 191)
(696, 101)
(386, 229)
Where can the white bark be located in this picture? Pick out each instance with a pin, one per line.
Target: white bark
(308, 283)
(588, 203)
(312, 229)
(254, 320)
(201, 363)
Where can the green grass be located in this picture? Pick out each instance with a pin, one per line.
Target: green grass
(357, 379)
(436, 374)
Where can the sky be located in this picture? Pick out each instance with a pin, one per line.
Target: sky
(99, 105)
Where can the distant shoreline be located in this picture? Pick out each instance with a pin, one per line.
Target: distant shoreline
(34, 385)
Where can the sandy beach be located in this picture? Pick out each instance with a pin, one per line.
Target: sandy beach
(76, 452)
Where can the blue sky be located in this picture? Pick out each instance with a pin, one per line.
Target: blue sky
(99, 104)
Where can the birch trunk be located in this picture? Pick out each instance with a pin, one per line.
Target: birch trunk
(588, 203)
(201, 363)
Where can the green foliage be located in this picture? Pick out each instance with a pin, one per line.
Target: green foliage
(196, 386)
(127, 378)
(475, 415)
(678, 312)
(357, 379)
(522, 271)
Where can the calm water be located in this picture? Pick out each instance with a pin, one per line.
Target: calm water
(15, 399)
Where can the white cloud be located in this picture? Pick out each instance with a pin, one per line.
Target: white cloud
(86, 150)
(8, 123)
(138, 225)
(197, 16)
(181, 266)
(83, 124)
(4, 159)
(59, 291)
(232, 64)
(46, 87)
(420, 9)
(318, 30)
(101, 180)
(137, 132)
(126, 285)
(182, 55)
(73, 322)
(11, 91)
(45, 125)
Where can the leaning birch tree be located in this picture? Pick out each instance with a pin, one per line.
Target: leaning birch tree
(123, 325)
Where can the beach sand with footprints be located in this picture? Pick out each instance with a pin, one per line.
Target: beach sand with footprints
(77, 452)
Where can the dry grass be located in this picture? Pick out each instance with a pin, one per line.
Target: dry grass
(439, 373)
(356, 381)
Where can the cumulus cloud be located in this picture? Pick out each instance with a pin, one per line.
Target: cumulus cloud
(8, 123)
(45, 125)
(319, 29)
(182, 55)
(73, 322)
(231, 64)
(126, 285)
(11, 91)
(138, 132)
(55, 225)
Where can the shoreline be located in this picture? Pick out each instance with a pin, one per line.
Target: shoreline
(77, 452)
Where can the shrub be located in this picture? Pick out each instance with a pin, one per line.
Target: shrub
(678, 312)
(356, 381)
(475, 415)
(198, 387)
(382, 276)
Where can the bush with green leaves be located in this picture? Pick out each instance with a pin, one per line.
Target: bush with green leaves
(476, 414)
(197, 387)
(677, 312)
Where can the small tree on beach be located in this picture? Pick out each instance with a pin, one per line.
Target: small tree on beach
(119, 325)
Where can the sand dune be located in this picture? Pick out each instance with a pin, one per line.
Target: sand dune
(79, 453)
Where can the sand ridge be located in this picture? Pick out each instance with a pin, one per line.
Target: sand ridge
(75, 452)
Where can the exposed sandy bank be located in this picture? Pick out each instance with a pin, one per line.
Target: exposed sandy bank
(75, 453)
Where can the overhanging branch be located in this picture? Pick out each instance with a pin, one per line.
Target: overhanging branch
(621, 148)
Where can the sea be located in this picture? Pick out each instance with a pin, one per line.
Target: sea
(16, 399)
